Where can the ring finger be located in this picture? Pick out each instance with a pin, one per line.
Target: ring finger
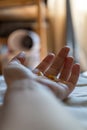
(66, 71)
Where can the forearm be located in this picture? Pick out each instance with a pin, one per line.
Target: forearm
(34, 108)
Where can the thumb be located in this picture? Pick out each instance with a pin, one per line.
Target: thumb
(19, 58)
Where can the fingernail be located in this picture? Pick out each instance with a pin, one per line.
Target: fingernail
(64, 52)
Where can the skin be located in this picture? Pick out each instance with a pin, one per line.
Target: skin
(30, 101)
(60, 64)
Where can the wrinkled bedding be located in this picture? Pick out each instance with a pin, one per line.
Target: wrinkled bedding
(76, 103)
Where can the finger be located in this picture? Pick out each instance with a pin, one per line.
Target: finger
(65, 73)
(43, 66)
(19, 58)
(74, 76)
(58, 62)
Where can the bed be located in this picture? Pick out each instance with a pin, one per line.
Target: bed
(76, 103)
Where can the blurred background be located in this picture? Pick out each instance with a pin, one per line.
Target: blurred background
(42, 26)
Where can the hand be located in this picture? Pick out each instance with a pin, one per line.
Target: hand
(63, 72)
(60, 69)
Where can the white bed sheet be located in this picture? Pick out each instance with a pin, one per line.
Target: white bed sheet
(76, 103)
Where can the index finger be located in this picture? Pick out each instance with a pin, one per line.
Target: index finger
(45, 64)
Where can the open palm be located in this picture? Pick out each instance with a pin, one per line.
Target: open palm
(58, 73)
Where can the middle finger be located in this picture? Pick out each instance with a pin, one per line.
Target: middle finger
(58, 62)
